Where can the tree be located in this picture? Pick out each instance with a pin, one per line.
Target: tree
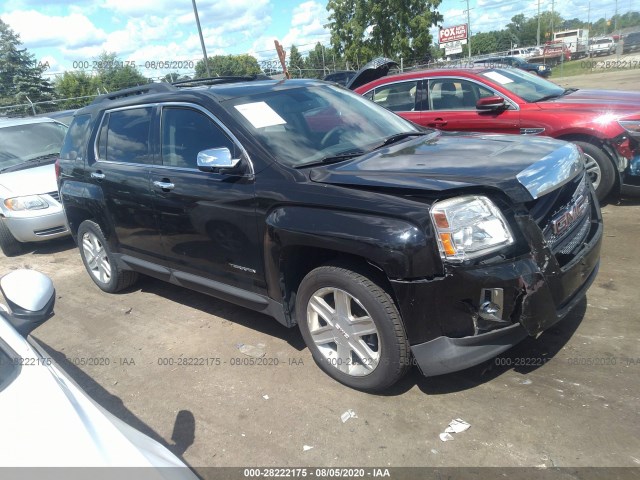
(76, 84)
(296, 62)
(229, 65)
(114, 74)
(363, 29)
(175, 77)
(316, 62)
(20, 74)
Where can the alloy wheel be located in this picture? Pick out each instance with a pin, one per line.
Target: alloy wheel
(96, 256)
(343, 331)
(593, 170)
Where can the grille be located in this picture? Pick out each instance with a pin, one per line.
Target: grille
(575, 229)
(578, 238)
(50, 231)
(55, 195)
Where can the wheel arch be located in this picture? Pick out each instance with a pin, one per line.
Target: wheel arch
(299, 239)
(601, 143)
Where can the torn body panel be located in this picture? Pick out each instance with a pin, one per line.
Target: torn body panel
(446, 319)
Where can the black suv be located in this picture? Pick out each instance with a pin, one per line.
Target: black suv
(631, 42)
(385, 243)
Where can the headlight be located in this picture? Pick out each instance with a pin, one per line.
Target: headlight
(468, 227)
(631, 126)
(541, 67)
(30, 202)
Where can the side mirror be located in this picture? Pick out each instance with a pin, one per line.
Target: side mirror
(491, 103)
(214, 158)
(30, 297)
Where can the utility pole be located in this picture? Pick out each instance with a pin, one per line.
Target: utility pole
(469, 30)
(538, 32)
(204, 50)
(553, 4)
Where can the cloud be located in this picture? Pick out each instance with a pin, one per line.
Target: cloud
(37, 30)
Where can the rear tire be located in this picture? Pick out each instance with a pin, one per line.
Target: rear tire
(8, 243)
(100, 262)
(599, 168)
(352, 328)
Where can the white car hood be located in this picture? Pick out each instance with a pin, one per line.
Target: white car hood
(48, 421)
(29, 181)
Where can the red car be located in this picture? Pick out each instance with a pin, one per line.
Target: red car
(604, 123)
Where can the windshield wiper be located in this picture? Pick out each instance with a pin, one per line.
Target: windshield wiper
(397, 137)
(27, 163)
(548, 97)
(567, 91)
(46, 156)
(338, 157)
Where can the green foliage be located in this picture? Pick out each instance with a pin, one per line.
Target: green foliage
(296, 62)
(317, 62)
(20, 74)
(364, 29)
(229, 65)
(113, 74)
(110, 75)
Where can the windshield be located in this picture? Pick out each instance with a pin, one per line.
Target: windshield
(528, 87)
(21, 143)
(308, 124)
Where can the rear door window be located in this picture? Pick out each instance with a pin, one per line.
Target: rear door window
(397, 97)
(124, 136)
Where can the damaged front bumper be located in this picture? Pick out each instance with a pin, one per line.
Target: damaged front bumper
(450, 328)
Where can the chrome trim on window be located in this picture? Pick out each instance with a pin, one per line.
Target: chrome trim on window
(96, 157)
(553, 171)
(169, 104)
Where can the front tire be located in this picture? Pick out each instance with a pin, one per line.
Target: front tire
(8, 243)
(352, 327)
(599, 168)
(100, 262)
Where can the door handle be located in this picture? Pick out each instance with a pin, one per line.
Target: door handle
(164, 185)
(438, 122)
(98, 175)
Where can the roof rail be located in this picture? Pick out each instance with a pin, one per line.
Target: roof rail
(138, 90)
(196, 82)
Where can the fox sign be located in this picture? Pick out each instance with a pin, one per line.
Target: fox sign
(451, 34)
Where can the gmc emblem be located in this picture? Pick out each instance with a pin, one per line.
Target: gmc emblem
(571, 213)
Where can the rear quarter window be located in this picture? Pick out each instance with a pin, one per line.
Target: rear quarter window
(76, 140)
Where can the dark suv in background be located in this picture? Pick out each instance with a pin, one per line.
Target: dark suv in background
(631, 43)
(384, 242)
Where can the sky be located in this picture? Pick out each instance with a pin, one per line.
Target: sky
(71, 34)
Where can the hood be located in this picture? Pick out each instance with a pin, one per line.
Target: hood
(598, 100)
(29, 181)
(375, 69)
(444, 161)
